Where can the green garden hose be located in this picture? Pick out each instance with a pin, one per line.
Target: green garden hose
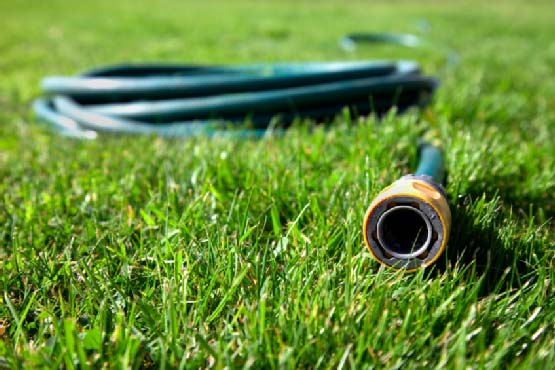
(406, 229)
(192, 100)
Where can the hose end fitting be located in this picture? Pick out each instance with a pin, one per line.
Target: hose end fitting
(408, 224)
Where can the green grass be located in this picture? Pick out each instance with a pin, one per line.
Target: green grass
(142, 252)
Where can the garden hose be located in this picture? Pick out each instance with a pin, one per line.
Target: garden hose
(201, 100)
(406, 226)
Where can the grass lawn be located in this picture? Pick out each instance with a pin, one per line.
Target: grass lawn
(142, 252)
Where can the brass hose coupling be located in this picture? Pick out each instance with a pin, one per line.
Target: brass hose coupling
(407, 225)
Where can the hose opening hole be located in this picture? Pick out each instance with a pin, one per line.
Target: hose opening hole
(404, 232)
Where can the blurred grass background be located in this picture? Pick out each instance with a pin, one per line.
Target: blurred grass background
(142, 252)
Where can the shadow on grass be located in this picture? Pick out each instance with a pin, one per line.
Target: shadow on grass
(476, 243)
(484, 252)
(513, 193)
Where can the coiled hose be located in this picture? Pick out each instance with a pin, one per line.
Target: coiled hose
(192, 100)
(189, 100)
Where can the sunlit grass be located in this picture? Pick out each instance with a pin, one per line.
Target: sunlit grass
(142, 252)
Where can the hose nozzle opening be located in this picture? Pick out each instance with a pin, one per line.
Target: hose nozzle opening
(404, 231)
